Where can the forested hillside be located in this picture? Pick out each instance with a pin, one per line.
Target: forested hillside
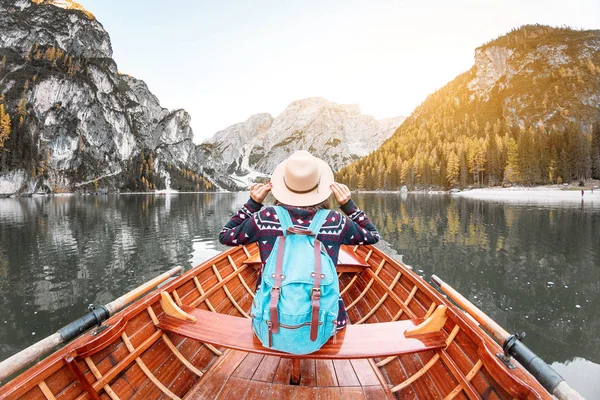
(527, 112)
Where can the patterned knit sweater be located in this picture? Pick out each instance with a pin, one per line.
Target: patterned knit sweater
(251, 224)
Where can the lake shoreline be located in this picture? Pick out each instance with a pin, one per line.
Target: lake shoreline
(592, 187)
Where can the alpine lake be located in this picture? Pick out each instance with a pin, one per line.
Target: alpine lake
(533, 268)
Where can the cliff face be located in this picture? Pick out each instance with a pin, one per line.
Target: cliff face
(339, 134)
(69, 120)
(74, 119)
(523, 114)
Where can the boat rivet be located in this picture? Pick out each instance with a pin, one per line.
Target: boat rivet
(322, 276)
(273, 276)
(282, 277)
(313, 274)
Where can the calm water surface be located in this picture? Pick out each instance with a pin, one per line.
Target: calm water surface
(532, 268)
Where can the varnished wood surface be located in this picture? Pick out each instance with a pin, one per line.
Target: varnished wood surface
(349, 343)
(248, 376)
(462, 365)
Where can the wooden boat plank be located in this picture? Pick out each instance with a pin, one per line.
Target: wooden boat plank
(424, 386)
(351, 293)
(308, 372)
(187, 292)
(345, 373)
(34, 394)
(248, 367)
(375, 393)
(120, 351)
(209, 387)
(70, 392)
(464, 364)
(364, 372)
(158, 358)
(60, 380)
(284, 371)
(305, 393)
(466, 385)
(443, 377)
(369, 302)
(328, 393)
(174, 376)
(258, 390)
(438, 373)
(326, 373)
(353, 393)
(266, 369)
(469, 349)
(283, 392)
(122, 386)
(395, 373)
(234, 389)
(110, 356)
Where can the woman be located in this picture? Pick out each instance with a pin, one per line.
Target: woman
(302, 185)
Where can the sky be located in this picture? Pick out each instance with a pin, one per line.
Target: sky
(224, 61)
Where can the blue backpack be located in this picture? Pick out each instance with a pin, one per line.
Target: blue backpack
(296, 308)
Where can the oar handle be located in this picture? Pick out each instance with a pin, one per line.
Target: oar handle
(70, 331)
(117, 304)
(544, 373)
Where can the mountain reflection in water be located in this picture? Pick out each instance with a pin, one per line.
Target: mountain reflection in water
(532, 268)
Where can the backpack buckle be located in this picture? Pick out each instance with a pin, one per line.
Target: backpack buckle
(315, 293)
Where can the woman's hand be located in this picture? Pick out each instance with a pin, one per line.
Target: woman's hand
(259, 191)
(341, 192)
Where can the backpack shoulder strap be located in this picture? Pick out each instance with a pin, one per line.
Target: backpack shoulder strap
(318, 221)
(284, 219)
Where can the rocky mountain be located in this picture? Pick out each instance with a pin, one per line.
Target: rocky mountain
(337, 133)
(523, 114)
(71, 120)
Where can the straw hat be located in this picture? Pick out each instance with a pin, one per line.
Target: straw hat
(302, 180)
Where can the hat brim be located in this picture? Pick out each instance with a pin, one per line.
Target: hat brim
(284, 195)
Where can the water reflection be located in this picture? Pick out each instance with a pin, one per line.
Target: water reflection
(532, 268)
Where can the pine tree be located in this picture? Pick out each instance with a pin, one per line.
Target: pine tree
(452, 169)
(553, 166)
(512, 174)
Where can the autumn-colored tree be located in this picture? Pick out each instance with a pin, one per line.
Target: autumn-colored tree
(50, 54)
(452, 169)
(5, 127)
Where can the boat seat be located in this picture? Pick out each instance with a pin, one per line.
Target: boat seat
(355, 341)
(347, 262)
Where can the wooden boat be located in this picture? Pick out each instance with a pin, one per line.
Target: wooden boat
(192, 339)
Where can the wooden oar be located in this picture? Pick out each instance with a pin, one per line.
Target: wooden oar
(513, 346)
(75, 328)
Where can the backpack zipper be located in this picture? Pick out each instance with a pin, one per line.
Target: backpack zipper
(296, 326)
(270, 328)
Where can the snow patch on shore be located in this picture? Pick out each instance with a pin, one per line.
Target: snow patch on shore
(535, 195)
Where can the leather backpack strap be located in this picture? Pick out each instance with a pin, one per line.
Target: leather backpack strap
(276, 289)
(315, 295)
